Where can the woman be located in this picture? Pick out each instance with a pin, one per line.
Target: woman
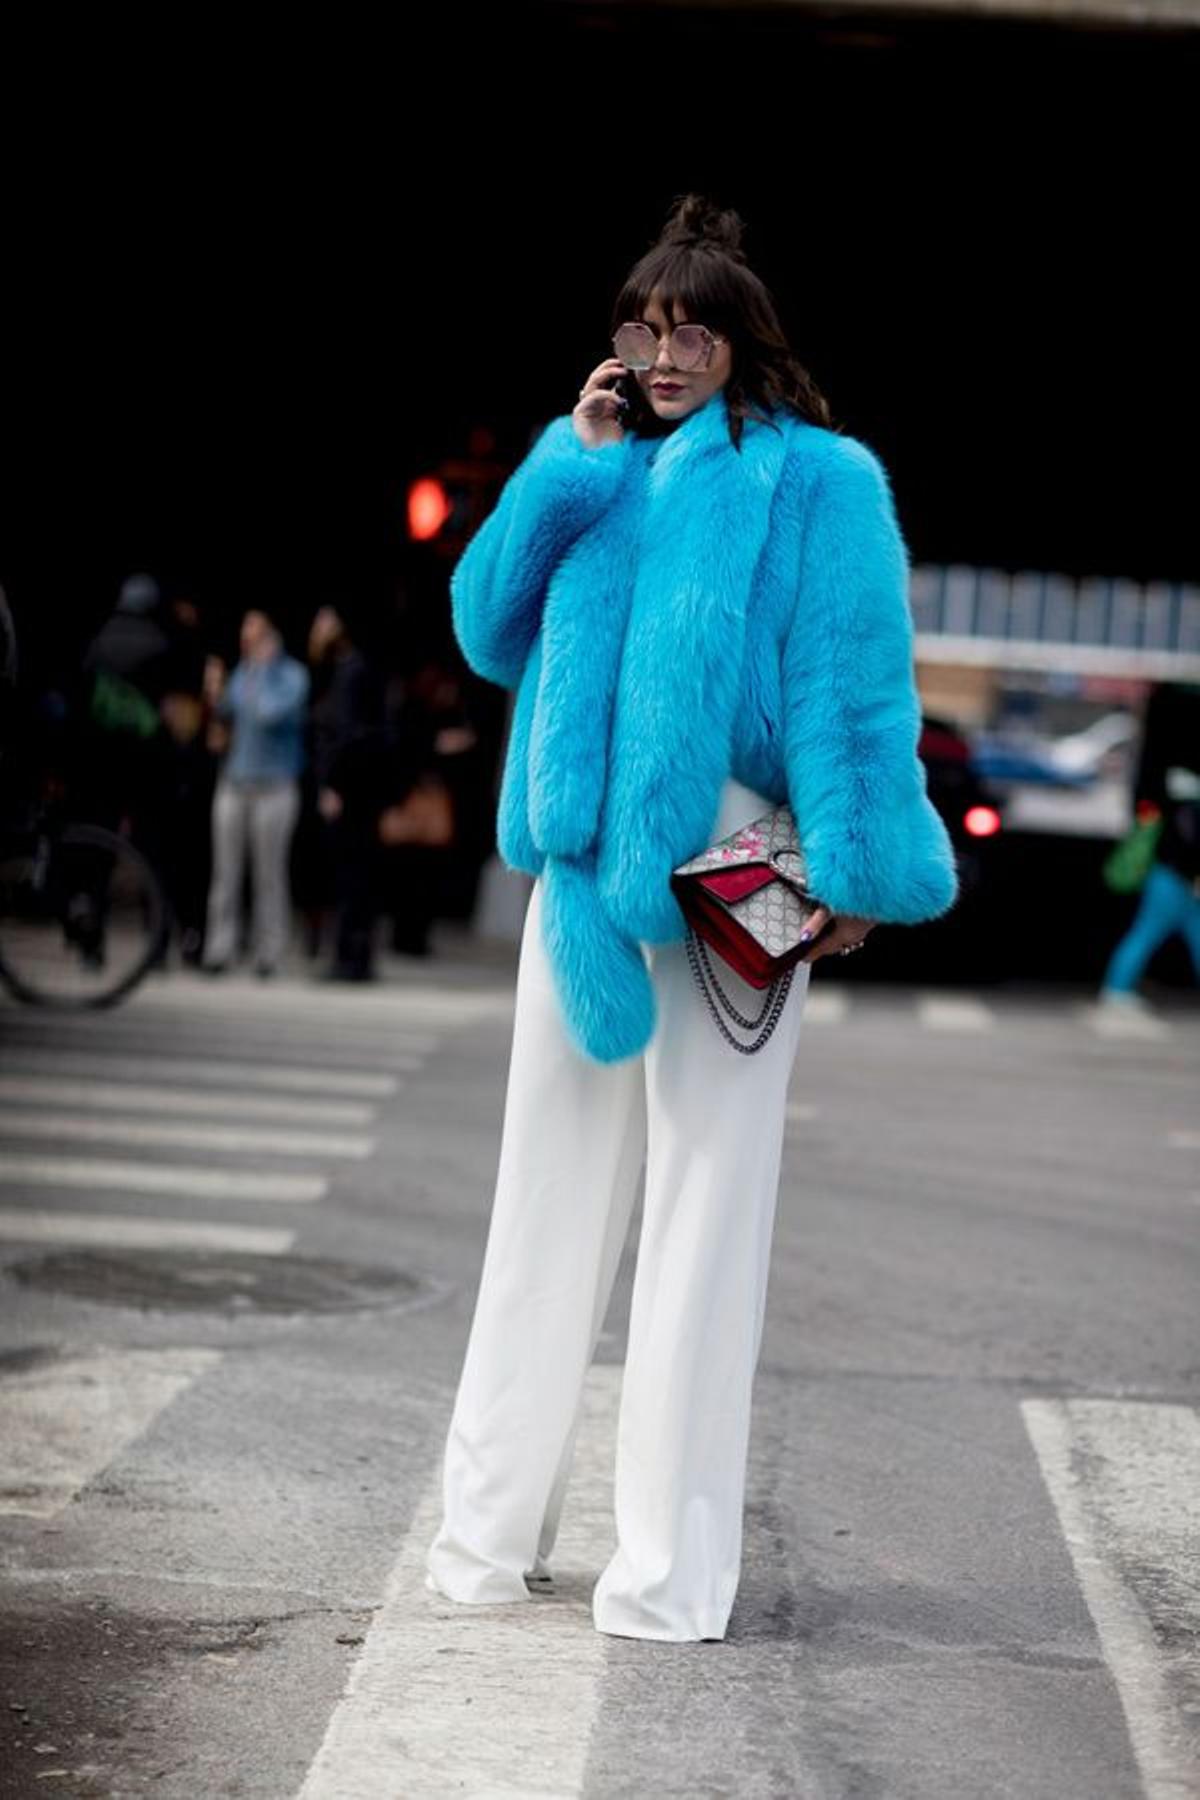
(257, 797)
(700, 601)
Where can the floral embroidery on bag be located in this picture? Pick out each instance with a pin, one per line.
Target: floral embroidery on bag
(747, 839)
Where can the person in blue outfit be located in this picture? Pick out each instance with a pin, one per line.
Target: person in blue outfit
(257, 797)
(697, 590)
(1168, 779)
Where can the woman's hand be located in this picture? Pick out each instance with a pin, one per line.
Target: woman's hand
(214, 679)
(847, 932)
(597, 417)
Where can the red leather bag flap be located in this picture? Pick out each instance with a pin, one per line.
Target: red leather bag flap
(736, 883)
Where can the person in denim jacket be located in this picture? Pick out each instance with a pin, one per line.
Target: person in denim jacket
(257, 798)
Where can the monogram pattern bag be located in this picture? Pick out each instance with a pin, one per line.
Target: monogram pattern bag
(747, 897)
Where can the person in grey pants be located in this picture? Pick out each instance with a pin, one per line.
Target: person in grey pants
(257, 798)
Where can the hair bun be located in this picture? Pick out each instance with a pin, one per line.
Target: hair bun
(694, 219)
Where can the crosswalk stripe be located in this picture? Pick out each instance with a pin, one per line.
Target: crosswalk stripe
(533, 1682)
(1125, 1480)
(64, 1422)
(77, 1128)
(136, 1097)
(938, 1012)
(296, 1078)
(395, 1005)
(139, 1035)
(156, 1178)
(128, 1232)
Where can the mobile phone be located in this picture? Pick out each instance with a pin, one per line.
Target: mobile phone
(626, 389)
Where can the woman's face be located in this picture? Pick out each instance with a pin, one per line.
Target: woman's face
(673, 393)
(257, 635)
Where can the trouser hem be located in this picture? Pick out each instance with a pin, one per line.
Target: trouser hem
(506, 1599)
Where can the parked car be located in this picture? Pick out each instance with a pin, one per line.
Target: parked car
(1074, 760)
(971, 808)
(959, 946)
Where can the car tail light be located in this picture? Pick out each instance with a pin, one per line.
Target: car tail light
(981, 821)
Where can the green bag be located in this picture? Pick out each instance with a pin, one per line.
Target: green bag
(1128, 864)
(116, 706)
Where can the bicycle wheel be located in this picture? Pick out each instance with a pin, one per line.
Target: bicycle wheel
(82, 916)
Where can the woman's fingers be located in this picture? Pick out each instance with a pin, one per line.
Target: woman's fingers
(604, 372)
(846, 933)
(812, 926)
(600, 405)
(598, 413)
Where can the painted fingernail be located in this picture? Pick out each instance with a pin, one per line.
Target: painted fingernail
(804, 936)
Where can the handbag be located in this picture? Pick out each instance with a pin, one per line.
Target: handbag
(425, 816)
(747, 897)
(1126, 867)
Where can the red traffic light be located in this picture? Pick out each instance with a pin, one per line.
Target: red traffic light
(429, 507)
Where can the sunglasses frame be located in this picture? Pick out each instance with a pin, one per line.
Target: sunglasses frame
(714, 338)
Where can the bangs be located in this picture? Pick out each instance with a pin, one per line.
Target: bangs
(682, 276)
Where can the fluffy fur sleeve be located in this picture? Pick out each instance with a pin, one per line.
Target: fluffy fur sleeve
(875, 844)
(499, 582)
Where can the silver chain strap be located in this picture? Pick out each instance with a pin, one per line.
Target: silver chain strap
(773, 1004)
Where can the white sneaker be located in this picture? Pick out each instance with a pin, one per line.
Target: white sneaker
(1124, 1000)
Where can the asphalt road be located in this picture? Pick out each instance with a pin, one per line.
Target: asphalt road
(240, 1230)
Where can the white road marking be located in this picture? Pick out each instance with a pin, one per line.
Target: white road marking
(158, 1178)
(533, 1680)
(824, 1005)
(394, 1005)
(63, 1422)
(287, 1077)
(112, 1096)
(1125, 1480)
(953, 1012)
(127, 1232)
(252, 1139)
(245, 1037)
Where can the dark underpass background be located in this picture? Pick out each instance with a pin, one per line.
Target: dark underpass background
(259, 285)
(260, 281)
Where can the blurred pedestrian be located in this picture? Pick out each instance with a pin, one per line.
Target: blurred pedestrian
(132, 644)
(419, 822)
(120, 774)
(257, 795)
(1167, 801)
(346, 725)
(187, 866)
(697, 590)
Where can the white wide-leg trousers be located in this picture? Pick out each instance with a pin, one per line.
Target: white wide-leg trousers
(708, 1124)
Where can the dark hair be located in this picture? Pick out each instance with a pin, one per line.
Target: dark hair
(698, 262)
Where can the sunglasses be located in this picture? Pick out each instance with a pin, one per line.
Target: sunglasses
(689, 346)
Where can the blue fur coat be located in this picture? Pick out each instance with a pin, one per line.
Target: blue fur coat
(672, 611)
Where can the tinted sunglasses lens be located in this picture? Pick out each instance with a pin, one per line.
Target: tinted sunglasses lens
(636, 346)
(689, 346)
